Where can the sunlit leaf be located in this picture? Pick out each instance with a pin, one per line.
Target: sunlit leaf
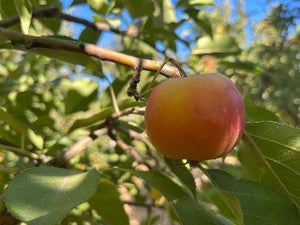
(24, 9)
(219, 45)
(44, 195)
(194, 2)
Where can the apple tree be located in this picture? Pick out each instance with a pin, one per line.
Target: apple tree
(75, 80)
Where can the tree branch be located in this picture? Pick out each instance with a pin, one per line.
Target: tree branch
(31, 42)
(54, 13)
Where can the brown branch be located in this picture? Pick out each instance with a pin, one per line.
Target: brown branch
(54, 13)
(104, 54)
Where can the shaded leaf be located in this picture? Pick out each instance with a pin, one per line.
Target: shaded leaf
(182, 173)
(226, 203)
(66, 56)
(44, 195)
(107, 203)
(258, 113)
(139, 8)
(259, 204)
(105, 113)
(248, 66)
(277, 150)
(80, 94)
(7, 9)
(201, 19)
(186, 206)
(22, 128)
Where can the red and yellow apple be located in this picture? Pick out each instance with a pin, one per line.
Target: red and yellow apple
(196, 117)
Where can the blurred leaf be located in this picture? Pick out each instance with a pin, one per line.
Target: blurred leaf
(22, 128)
(89, 35)
(258, 113)
(101, 6)
(182, 173)
(138, 48)
(107, 203)
(183, 202)
(66, 56)
(201, 19)
(78, 2)
(7, 9)
(276, 148)
(259, 204)
(44, 195)
(194, 2)
(80, 94)
(219, 45)
(169, 14)
(104, 114)
(248, 66)
(139, 8)
(24, 9)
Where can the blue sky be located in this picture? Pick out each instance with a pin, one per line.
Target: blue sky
(256, 10)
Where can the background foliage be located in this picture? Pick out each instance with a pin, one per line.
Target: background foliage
(72, 143)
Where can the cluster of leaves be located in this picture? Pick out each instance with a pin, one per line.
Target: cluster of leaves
(62, 109)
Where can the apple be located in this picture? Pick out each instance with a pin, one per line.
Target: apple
(196, 117)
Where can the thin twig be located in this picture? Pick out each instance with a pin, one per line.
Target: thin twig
(53, 12)
(20, 151)
(104, 54)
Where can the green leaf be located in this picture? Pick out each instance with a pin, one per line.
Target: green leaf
(219, 45)
(44, 195)
(66, 56)
(139, 8)
(248, 66)
(277, 147)
(24, 9)
(226, 203)
(259, 204)
(105, 113)
(7, 9)
(194, 2)
(78, 2)
(183, 202)
(22, 128)
(107, 203)
(101, 6)
(169, 14)
(258, 113)
(182, 173)
(80, 94)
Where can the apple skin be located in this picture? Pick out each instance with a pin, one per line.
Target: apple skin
(196, 117)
